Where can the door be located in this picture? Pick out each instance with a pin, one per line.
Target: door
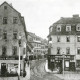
(66, 67)
(72, 66)
(3, 68)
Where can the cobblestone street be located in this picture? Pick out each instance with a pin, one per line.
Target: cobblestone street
(38, 71)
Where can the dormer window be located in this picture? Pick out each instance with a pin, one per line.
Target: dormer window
(58, 28)
(68, 28)
(78, 27)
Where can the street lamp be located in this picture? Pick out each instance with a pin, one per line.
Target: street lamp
(24, 56)
(63, 62)
(19, 41)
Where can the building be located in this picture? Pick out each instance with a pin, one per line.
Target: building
(64, 38)
(12, 39)
(39, 45)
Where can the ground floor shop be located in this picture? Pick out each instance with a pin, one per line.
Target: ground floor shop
(56, 62)
(11, 67)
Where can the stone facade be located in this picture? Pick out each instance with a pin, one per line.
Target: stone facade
(64, 36)
(12, 26)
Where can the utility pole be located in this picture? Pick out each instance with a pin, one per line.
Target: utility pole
(63, 62)
(19, 41)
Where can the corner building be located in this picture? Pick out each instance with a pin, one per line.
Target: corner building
(64, 36)
(12, 26)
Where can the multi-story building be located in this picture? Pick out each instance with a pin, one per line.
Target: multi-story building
(39, 44)
(64, 36)
(12, 26)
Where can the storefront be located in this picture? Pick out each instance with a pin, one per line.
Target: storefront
(56, 61)
(9, 65)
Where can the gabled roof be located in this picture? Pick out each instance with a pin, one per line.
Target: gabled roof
(9, 5)
(20, 17)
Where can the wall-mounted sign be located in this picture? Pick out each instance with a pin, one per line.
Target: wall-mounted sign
(10, 58)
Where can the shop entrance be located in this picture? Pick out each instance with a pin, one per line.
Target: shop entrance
(66, 65)
(3, 68)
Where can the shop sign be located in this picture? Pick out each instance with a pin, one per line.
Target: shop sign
(10, 58)
(7, 58)
(56, 57)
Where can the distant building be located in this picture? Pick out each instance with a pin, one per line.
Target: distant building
(39, 44)
(12, 26)
(64, 36)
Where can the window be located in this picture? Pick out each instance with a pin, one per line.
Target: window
(14, 50)
(78, 27)
(5, 7)
(15, 35)
(78, 39)
(14, 20)
(58, 50)
(68, 28)
(5, 20)
(58, 38)
(68, 50)
(78, 63)
(78, 50)
(4, 50)
(4, 35)
(67, 38)
(58, 28)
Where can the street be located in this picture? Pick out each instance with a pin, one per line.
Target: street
(38, 71)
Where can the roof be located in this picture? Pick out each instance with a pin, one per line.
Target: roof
(43, 41)
(9, 5)
(73, 21)
(68, 20)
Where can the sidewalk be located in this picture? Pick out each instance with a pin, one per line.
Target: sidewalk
(27, 77)
(67, 76)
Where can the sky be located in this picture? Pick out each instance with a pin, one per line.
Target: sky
(41, 14)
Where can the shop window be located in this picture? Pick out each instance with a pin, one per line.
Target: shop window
(15, 35)
(58, 38)
(4, 50)
(58, 50)
(78, 51)
(78, 63)
(14, 20)
(14, 50)
(5, 20)
(68, 50)
(4, 35)
(67, 38)
(78, 39)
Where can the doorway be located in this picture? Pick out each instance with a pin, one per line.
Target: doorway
(3, 68)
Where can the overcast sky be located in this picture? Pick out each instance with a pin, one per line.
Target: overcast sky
(40, 14)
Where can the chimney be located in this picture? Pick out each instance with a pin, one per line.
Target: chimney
(76, 16)
(11, 4)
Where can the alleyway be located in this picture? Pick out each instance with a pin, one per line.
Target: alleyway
(38, 71)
